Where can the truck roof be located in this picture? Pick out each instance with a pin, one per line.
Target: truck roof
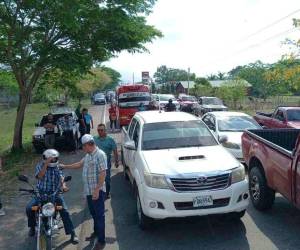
(133, 88)
(288, 107)
(227, 114)
(161, 116)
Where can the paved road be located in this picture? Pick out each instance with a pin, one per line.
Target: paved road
(276, 229)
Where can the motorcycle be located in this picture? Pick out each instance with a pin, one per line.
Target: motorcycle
(45, 212)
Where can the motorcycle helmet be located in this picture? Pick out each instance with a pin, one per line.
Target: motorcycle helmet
(53, 154)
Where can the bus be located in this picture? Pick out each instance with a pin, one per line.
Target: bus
(129, 98)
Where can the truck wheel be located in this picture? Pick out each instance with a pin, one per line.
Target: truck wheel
(261, 195)
(144, 221)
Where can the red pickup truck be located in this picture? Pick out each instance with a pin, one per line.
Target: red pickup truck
(273, 160)
(282, 117)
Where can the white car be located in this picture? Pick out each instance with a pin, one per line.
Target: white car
(232, 125)
(179, 169)
(163, 100)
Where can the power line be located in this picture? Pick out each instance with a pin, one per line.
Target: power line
(270, 25)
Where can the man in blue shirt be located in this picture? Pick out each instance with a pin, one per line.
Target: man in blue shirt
(108, 145)
(49, 178)
(88, 121)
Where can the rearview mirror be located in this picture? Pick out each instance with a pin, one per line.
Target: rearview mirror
(130, 145)
(67, 178)
(23, 178)
(223, 138)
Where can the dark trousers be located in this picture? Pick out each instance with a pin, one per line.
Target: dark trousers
(50, 140)
(69, 139)
(65, 216)
(113, 123)
(108, 174)
(88, 129)
(0, 204)
(96, 208)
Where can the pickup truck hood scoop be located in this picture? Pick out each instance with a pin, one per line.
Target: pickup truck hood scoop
(180, 161)
(191, 157)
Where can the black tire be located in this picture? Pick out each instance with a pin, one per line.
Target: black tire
(238, 215)
(261, 195)
(45, 242)
(144, 221)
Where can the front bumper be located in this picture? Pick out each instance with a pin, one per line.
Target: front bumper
(180, 204)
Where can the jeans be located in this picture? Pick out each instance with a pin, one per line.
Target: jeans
(96, 208)
(113, 123)
(88, 128)
(65, 216)
(50, 140)
(108, 174)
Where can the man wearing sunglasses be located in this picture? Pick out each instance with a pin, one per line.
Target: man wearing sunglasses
(109, 146)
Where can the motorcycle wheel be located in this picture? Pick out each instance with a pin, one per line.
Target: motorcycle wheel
(45, 242)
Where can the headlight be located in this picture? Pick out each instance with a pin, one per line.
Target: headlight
(238, 174)
(231, 145)
(156, 181)
(37, 137)
(48, 209)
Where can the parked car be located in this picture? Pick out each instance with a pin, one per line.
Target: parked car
(282, 117)
(232, 125)
(186, 102)
(178, 169)
(38, 137)
(272, 156)
(163, 100)
(99, 99)
(209, 104)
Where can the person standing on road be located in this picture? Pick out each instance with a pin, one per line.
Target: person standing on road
(67, 125)
(170, 107)
(49, 125)
(113, 116)
(108, 145)
(94, 166)
(142, 107)
(49, 178)
(82, 124)
(89, 124)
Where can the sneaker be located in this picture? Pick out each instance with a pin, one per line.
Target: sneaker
(74, 239)
(31, 232)
(2, 212)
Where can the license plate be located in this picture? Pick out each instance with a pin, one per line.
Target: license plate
(203, 201)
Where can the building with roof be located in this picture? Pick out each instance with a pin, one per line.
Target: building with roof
(182, 86)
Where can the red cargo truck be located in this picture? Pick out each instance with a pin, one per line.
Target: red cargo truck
(273, 160)
(129, 99)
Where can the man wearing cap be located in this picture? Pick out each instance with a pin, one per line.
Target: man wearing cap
(94, 166)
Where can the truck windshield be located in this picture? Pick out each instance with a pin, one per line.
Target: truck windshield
(293, 115)
(212, 101)
(188, 99)
(134, 99)
(166, 98)
(237, 123)
(166, 135)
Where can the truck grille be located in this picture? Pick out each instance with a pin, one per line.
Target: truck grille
(189, 205)
(201, 183)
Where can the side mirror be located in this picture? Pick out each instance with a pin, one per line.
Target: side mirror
(130, 145)
(23, 178)
(223, 139)
(67, 178)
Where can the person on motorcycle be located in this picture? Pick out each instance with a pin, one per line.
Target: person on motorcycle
(49, 177)
(170, 106)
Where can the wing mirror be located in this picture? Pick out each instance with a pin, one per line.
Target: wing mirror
(67, 178)
(223, 139)
(23, 178)
(130, 145)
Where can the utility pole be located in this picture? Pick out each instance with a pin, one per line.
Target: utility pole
(188, 90)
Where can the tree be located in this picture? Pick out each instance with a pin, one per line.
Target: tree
(221, 75)
(153, 88)
(41, 35)
(202, 90)
(232, 90)
(202, 81)
(114, 75)
(164, 74)
(8, 85)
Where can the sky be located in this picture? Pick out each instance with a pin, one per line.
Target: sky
(212, 36)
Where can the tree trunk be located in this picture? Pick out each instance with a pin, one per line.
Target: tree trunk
(17, 140)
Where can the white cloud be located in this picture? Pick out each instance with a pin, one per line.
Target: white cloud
(211, 36)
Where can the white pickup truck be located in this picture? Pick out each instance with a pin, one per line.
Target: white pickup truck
(179, 169)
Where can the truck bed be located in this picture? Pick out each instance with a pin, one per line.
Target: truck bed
(283, 140)
(264, 114)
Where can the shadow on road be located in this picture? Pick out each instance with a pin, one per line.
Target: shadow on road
(281, 224)
(209, 232)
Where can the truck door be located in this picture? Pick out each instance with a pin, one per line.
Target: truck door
(128, 138)
(132, 154)
(297, 184)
